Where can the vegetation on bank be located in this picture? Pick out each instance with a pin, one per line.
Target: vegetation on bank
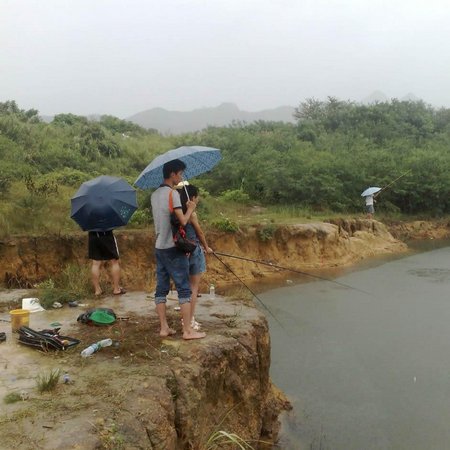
(317, 167)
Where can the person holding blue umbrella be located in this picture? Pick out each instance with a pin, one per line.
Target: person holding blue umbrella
(99, 206)
(171, 263)
(164, 173)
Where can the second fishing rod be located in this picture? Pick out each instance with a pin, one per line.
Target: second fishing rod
(276, 266)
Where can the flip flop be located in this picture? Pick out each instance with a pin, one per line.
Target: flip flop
(122, 291)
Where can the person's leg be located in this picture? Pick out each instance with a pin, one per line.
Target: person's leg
(95, 272)
(162, 289)
(188, 332)
(179, 272)
(195, 283)
(115, 275)
(197, 265)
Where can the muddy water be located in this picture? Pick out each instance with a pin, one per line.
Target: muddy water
(366, 371)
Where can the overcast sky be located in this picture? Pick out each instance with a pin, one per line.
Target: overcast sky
(121, 57)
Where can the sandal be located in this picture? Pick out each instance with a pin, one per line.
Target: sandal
(194, 325)
(122, 291)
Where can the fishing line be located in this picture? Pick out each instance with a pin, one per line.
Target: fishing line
(260, 301)
(292, 270)
(392, 182)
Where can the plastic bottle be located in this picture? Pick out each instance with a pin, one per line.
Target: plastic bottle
(212, 291)
(95, 347)
(104, 343)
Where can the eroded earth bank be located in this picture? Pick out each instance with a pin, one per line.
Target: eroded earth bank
(146, 392)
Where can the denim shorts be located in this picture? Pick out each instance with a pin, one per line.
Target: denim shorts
(370, 209)
(171, 263)
(197, 261)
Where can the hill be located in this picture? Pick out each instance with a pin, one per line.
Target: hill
(175, 122)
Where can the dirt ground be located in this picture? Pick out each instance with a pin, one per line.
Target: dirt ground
(95, 398)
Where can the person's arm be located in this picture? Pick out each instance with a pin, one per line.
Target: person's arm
(184, 218)
(199, 232)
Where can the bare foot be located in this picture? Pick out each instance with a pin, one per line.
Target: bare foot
(99, 293)
(168, 332)
(193, 335)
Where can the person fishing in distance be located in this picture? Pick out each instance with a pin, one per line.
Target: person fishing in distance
(370, 208)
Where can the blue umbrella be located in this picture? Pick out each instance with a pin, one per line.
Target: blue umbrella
(370, 191)
(103, 204)
(197, 159)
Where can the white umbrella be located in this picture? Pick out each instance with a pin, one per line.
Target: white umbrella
(371, 191)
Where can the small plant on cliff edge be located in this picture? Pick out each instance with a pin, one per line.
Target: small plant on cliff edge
(225, 224)
(266, 232)
(221, 439)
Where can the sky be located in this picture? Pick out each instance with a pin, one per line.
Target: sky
(121, 57)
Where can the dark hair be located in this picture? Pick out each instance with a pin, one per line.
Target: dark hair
(192, 191)
(173, 166)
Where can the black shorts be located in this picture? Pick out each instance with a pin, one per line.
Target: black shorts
(102, 246)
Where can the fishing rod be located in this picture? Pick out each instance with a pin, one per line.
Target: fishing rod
(392, 182)
(291, 270)
(254, 295)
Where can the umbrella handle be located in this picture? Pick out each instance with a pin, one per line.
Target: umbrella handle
(185, 190)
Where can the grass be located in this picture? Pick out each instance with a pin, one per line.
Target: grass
(17, 416)
(38, 213)
(25, 212)
(12, 397)
(72, 284)
(109, 435)
(221, 439)
(46, 382)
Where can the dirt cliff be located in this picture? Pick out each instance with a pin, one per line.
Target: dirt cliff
(153, 393)
(144, 392)
(25, 261)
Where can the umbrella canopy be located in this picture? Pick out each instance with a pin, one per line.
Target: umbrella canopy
(103, 204)
(370, 191)
(197, 159)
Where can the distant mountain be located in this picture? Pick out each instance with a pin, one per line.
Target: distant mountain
(175, 122)
(46, 119)
(375, 97)
(380, 97)
(410, 97)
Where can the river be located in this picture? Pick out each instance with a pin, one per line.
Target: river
(366, 370)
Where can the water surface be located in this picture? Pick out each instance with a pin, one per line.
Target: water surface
(366, 370)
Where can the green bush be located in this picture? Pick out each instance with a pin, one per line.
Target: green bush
(266, 232)
(141, 217)
(69, 177)
(225, 224)
(235, 195)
